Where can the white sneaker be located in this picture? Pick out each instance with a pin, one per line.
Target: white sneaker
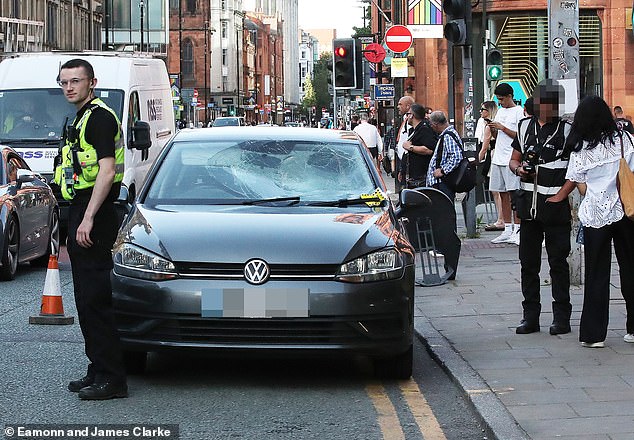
(514, 238)
(435, 254)
(503, 237)
(628, 337)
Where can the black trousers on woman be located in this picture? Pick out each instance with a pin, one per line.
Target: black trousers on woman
(596, 293)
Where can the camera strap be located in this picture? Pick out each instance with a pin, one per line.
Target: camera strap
(540, 145)
(534, 200)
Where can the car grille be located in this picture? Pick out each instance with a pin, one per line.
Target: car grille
(235, 270)
(249, 331)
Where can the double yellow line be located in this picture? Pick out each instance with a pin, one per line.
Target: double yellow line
(421, 411)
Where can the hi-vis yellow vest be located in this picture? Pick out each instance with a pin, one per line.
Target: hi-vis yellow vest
(78, 154)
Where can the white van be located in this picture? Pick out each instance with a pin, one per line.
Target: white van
(33, 109)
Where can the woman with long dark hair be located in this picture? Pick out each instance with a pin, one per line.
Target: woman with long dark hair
(596, 145)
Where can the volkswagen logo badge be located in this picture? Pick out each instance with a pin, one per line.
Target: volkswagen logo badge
(256, 271)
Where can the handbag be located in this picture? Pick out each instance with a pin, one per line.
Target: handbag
(625, 184)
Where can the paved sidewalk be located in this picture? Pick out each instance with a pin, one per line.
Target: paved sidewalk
(533, 386)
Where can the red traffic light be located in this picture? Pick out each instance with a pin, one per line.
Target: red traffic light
(340, 51)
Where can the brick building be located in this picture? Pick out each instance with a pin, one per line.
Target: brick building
(519, 27)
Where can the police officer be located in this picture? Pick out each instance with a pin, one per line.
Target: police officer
(89, 173)
(540, 161)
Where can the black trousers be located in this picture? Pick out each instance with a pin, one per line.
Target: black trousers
(93, 292)
(532, 233)
(596, 292)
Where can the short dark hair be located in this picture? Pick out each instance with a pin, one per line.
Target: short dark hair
(503, 89)
(418, 111)
(78, 62)
(529, 106)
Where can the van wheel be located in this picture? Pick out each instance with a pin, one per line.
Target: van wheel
(11, 250)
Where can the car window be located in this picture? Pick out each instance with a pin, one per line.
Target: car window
(234, 171)
(224, 122)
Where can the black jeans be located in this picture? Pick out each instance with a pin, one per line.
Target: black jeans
(596, 292)
(93, 292)
(532, 233)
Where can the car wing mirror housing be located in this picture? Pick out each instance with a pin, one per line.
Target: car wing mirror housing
(24, 176)
(123, 204)
(410, 200)
(139, 137)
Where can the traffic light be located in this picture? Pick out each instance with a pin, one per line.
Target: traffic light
(344, 68)
(495, 72)
(458, 26)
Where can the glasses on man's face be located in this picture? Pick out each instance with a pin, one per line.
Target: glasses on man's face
(72, 82)
(483, 109)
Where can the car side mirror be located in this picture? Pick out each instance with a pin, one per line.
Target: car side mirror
(123, 204)
(139, 137)
(24, 176)
(410, 199)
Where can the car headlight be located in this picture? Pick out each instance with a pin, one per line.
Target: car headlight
(386, 264)
(133, 261)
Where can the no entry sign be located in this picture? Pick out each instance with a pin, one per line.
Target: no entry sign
(398, 38)
(374, 53)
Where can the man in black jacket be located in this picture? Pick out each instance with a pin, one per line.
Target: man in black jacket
(419, 147)
(540, 160)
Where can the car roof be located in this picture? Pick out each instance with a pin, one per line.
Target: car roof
(266, 133)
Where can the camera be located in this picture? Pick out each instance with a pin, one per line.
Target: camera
(531, 158)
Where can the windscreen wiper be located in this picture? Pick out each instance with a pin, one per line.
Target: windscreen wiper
(342, 203)
(293, 200)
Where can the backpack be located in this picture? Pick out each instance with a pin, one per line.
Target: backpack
(463, 177)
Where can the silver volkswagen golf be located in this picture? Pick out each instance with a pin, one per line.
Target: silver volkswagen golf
(267, 239)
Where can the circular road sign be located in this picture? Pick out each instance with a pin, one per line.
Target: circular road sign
(374, 53)
(398, 38)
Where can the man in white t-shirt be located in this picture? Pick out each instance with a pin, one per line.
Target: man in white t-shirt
(502, 179)
(372, 138)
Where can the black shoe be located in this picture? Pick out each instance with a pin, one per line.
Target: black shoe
(526, 328)
(104, 391)
(559, 329)
(77, 385)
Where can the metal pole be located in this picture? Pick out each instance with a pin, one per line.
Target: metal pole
(468, 129)
(563, 66)
(141, 5)
(399, 83)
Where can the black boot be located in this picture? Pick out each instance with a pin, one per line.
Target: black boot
(77, 385)
(104, 391)
(527, 327)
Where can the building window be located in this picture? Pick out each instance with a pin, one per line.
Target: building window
(223, 5)
(191, 6)
(174, 4)
(223, 29)
(224, 57)
(188, 59)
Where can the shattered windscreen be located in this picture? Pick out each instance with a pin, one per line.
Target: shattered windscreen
(228, 172)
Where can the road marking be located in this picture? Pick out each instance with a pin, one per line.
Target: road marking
(388, 419)
(422, 412)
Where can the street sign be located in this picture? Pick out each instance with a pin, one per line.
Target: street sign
(384, 92)
(398, 38)
(374, 53)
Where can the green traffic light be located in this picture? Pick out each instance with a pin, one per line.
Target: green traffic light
(494, 73)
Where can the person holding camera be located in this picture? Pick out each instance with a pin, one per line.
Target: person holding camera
(541, 161)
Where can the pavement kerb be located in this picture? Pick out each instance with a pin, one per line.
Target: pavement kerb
(501, 424)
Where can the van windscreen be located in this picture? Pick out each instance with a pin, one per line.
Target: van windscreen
(39, 114)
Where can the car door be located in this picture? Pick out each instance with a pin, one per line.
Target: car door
(30, 204)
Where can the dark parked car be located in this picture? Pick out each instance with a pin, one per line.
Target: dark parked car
(266, 239)
(29, 217)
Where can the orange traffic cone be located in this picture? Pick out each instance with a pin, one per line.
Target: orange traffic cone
(52, 310)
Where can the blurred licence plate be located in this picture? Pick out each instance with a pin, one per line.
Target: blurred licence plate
(254, 303)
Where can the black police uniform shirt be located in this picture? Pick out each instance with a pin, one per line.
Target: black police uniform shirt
(101, 130)
(625, 125)
(418, 164)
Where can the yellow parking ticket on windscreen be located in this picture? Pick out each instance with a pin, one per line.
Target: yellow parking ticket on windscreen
(377, 198)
